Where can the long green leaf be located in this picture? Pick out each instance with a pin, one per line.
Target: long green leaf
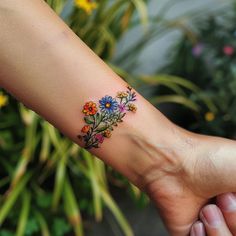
(45, 149)
(142, 9)
(12, 197)
(72, 209)
(156, 79)
(59, 181)
(172, 81)
(42, 223)
(110, 203)
(92, 175)
(175, 99)
(24, 214)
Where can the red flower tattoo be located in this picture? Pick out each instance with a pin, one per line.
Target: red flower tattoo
(100, 119)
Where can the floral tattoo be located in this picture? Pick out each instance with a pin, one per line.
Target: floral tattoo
(101, 118)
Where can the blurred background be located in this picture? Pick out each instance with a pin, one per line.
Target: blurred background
(179, 54)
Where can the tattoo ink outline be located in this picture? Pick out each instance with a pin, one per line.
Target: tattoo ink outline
(101, 118)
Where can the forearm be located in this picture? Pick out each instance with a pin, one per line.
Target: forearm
(47, 67)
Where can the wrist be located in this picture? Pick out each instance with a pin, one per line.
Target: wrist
(156, 150)
(171, 158)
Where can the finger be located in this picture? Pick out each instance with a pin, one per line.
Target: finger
(227, 204)
(198, 229)
(214, 222)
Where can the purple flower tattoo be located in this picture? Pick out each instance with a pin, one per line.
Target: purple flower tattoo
(101, 118)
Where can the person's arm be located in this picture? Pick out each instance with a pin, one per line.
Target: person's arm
(47, 67)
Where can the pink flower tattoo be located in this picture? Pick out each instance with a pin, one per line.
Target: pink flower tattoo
(101, 118)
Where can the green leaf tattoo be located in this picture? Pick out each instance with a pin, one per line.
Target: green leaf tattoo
(100, 119)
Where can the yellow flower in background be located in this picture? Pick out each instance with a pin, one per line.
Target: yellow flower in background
(3, 100)
(86, 5)
(209, 116)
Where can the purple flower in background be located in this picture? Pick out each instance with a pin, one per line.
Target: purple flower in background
(99, 137)
(228, 50)
(197, 49)
(121, 107)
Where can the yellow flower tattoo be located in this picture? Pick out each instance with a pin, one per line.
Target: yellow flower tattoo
(101, 118)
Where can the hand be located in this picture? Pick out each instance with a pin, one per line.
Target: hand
(204, 167)
(219, 219)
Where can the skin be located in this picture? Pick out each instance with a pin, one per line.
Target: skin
(47, 67)
(224, 211)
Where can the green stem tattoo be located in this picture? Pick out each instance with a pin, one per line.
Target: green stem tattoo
(101, 119)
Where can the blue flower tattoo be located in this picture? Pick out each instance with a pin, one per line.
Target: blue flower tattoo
(108, 104)
(101, 118)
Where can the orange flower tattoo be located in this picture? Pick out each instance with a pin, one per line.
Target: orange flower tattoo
(90, 108)
(102, 118)
(85, 129)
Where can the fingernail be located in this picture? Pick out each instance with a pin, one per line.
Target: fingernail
(198, 229)
(228, 202)
(211, 215)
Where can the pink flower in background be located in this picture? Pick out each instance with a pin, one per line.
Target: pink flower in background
(99, 137)
(228, 50)
(197, 49)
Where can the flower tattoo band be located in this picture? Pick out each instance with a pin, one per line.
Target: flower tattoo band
(101, 118)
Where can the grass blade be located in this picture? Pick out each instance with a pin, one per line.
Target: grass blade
(12, 197)
(110, 203)
(24, 214)
(43, 224)
(72, 209)
(156, 79)
(93, 177)
(142, 10)
(175, 99)
(59, 181)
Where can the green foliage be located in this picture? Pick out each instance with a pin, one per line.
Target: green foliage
(60, 227)
(210, 64)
